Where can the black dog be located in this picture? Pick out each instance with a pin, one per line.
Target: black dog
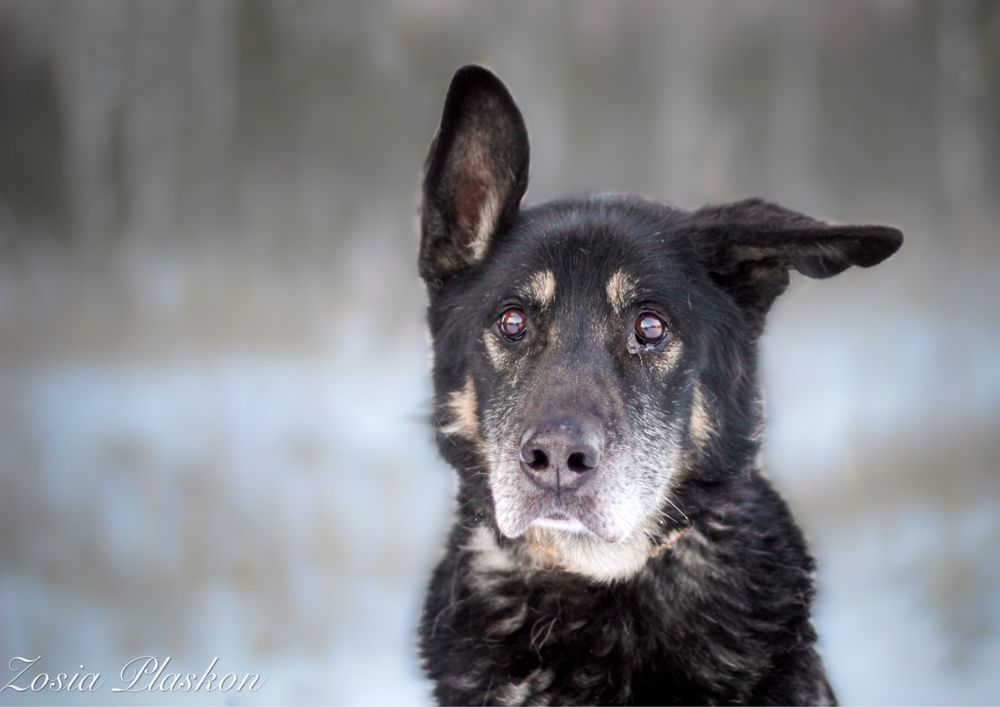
(596, 391)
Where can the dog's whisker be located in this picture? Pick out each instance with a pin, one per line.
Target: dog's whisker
(667, 498)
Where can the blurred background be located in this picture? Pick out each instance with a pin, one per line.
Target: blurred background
(213, 366)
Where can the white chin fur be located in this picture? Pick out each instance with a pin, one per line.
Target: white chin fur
(567, 526)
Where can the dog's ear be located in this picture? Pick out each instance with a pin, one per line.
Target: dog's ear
(749, 246)
(475, 176)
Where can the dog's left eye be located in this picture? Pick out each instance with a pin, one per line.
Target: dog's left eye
(512, 323)
(649, 328)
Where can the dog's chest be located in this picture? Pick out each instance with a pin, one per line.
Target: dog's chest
(552, 639)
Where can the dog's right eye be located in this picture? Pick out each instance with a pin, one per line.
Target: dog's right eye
(650, 329)
(512, 323)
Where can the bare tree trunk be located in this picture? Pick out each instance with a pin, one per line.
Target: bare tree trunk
(957, 82)
(89, 67)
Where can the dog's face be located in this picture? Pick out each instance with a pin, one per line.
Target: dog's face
(583, 338)
(581, 346)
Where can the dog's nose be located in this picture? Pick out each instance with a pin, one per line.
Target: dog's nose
(562, 454)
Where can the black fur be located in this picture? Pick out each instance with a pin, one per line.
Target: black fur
(718, 611)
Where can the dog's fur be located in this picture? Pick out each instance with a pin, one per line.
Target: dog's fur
(676, 573)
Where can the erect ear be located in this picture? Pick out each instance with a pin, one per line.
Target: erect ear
(476, 173)
(749, 246)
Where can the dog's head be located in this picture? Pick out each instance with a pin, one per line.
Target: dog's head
(590, 352)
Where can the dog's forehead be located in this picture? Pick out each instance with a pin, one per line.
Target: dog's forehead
(589, 264)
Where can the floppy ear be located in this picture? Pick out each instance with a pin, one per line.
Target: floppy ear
(749, 246)
(476, 173)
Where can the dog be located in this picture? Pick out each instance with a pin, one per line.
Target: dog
(616, 541)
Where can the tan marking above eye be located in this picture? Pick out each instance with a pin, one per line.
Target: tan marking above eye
(620, 290)
(542, 287)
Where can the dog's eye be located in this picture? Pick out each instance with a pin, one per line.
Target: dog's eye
(649, 328)
(512, 323)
